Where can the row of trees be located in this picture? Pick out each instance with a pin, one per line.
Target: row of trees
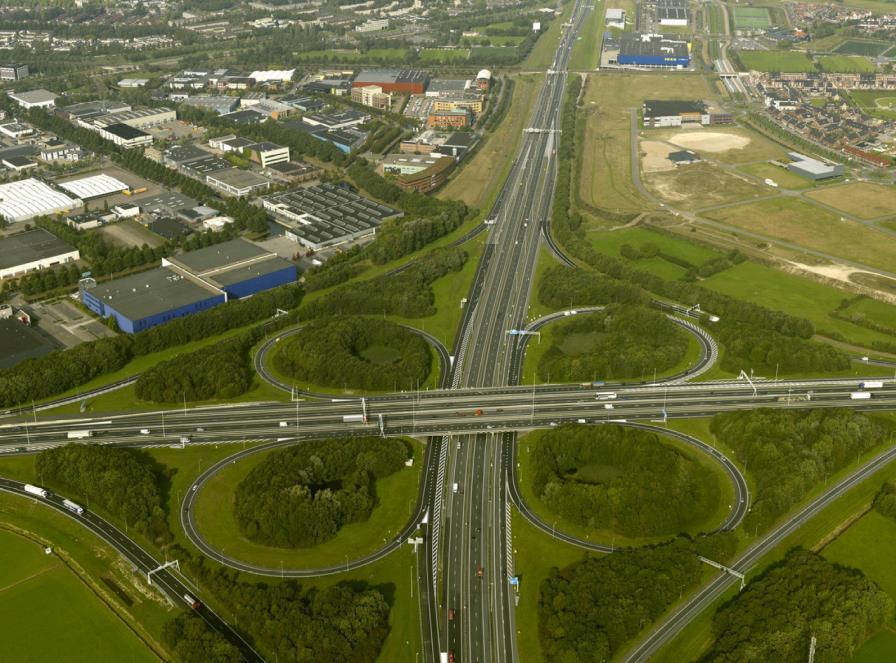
(338, 351)
(885, 500)
(59, 371)
(125, 482)
(618, 342)
(801, 598)
(622, 479)
(704, 270)
(561, 287)
(301, 496)
(789, 452)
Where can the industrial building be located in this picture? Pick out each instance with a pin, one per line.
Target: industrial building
(94, 186)
(674, 113)
(373, 96)
(32, 250)
(429, 178)
(813, 169)
(18, 339)
(484, 80)
(671, 12)
(457, 101)
(441, 86)
(653, 51)
(460, 118)
(141, 118)
(343, 119)
(28, 198)
(82, 114)
(326, 214)
(408, 164)
(125, 136)
(13, 72)
(34, 98)
(189, 283)
(214, 103)
(615, 18)
(237, 182)
(404, 81)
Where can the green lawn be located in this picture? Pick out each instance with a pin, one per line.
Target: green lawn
(876, 310)
(879, 647)
(215, 519)
(444, 55)
(862, 47)
(783, 178)
(846, 64)
(526, 471)
(336, 56)
(751, 17)
(586, 51)
(866, 545)
(783, 61)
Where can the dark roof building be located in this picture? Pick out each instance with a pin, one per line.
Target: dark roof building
(402, 81)
(33, 249)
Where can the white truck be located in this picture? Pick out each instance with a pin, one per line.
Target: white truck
(193, 603)
(74, 508)
(606, 395)
(36, 490)
(354, 419)
(79, 434)
(860, 395)
(871, 384)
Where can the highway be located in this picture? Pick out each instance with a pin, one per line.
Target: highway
(165, 579)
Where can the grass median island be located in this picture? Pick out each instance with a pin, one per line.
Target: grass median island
(354, 351)
(616, 343)
(389, 500)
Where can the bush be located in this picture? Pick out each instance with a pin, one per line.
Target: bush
(562, 287)
(301, 496)
(358, 352)
(885, 500)
(622, 479)
(618, 342)
(191, 640)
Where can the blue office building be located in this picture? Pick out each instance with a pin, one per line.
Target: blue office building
(189, 283)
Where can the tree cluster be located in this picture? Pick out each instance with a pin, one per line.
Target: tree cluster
(748, 347)
(191, 640)
(588, 610)
(776, 616)
(561, 287)
(125, 482)
(618, 342)
(301, 496)
(885, 500)
(622, 479)
(334, 352)
(789, 452)
(218, 371)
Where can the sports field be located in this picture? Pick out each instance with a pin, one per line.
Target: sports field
(812, 227)
(877, 103)
(49, 615)
(846, 64)
(751, 17)
(861, 199)
(862, 47)
(783, 61)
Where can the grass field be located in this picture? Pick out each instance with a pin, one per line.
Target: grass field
(783, 61)
(526, 470)
(811, 227)
(783, 178)
(751, 17)
(542, 53)
(702, 185)
(879, 647)
(480, 177)
(862, 47)
(610, 242)
(444, 55)
(876, 310)
(216, 521)
(605, 153)
(846, 64)
(336, 56)
(861, 199)
(49, 614)
(877, 103)
(799, 296)
(586, 51)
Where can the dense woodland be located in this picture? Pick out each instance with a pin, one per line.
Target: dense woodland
(301, 496)
(191, 640)
(125, 482)
(775, 617)
(562, 288)
(588, 610)
(885, 500)
(59, 371)
(623, 479)
(363, 353)
(789, 452)
(618, 342)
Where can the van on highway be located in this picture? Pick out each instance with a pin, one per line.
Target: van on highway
(454, 488)
(144, 431)
(284, 424)
(608, 406)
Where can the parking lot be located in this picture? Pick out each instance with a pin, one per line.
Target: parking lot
(66, 323)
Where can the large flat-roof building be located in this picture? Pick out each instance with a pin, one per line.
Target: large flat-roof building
(237, 182)
(19, 342)
(653, 51)
(34, 98)
(402, 81)
(125, 136)
(25, 199)
(13, 72)
(32, 250)
(326, 214)
(188, 283)
(813, 169)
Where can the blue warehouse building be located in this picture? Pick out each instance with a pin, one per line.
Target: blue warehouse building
(188, 283)
(653, 51)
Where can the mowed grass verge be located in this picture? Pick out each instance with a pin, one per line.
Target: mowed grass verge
(216, 522)
(811, 227)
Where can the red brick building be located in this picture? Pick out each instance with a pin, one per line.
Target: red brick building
(404, 81)
(460, 118)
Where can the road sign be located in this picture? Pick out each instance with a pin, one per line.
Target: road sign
(514, 581)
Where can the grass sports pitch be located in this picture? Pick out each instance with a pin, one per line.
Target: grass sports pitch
(751, 17)
(784, 61)
(862, 47)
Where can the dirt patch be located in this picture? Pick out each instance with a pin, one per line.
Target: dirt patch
(710, 141)
(655, 156)
(844, 274)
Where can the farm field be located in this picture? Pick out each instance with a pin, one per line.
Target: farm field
(702, 185)
(605, 154)
(862, 47)
(861, 199)
(444, 55)
(783, 178)
(733, 145)
(783, 61)
(811, 227)
(48, 614)
(751, 17)
(846, 64)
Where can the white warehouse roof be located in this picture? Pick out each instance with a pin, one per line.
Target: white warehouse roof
(25, 199)
(268, 75)
(483, 74)
(94, 186)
